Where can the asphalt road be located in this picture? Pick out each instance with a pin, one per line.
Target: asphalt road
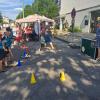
(82, 76)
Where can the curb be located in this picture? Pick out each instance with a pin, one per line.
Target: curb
(62, 39)
(69, 43)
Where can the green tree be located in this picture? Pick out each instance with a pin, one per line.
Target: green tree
(1, 18)
(46, 7)
(27, 11)
(20, 15)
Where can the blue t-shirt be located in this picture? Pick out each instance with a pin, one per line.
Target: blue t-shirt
(1, 46)
(98, 32)
(48, 38)
(8, 40)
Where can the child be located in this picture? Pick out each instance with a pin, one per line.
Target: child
(42, 41)
(8, 40)
(42, 38)
(48, 38)
(2, 54)
(26, 51)
(19, 32)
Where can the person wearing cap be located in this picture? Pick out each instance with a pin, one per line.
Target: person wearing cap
(98, 41)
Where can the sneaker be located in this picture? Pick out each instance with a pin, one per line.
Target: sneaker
(14, 63)
(27, 56)
(98, 60)
(3, 70)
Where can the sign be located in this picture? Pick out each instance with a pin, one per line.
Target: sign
(73, 13)
(98, 18)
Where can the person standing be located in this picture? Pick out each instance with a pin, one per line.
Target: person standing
(7, 40)
(19, 32)
(98, 41)
(37, 29)
(48, 38)
(2, 54)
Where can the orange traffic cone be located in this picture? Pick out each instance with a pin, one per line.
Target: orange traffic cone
(33, 80)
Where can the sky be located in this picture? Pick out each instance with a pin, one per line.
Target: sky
(11, 8)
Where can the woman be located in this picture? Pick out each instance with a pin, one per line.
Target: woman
(98, 41)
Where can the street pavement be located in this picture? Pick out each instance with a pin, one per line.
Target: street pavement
(81, 72)
(75, 38)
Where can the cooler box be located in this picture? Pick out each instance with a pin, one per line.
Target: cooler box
(88, 47)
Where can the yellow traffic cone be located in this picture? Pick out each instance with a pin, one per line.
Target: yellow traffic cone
(62, 76)
(33, 80)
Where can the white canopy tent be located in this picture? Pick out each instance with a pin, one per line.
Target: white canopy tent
(34, 18)
(37, 19)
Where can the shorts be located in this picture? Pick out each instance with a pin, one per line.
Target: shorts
(18, 39)
(48, 39)
(98, 42)
(42, 45)
(2, 54)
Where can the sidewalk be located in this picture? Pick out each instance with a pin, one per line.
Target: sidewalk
(75, 38)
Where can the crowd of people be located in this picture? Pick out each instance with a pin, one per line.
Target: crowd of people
(22, 35)
(28, 33)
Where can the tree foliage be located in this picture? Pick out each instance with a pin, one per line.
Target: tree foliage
(20, 15)
(47, 8)
(27, 11)
(1, 18)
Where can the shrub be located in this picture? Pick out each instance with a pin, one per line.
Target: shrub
(76, 29)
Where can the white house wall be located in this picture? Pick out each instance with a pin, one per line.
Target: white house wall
(80, 18)
(68, 5)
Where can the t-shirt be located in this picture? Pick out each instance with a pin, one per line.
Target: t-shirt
(42, 40)
(1, 46)
(37, 28)
(19, 32)
(98, 32)
(8, 40)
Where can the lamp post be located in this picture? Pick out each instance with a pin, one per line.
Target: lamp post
(20, 10)
(23, 9)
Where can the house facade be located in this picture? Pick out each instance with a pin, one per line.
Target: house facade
(5, 21)
(87, 13)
